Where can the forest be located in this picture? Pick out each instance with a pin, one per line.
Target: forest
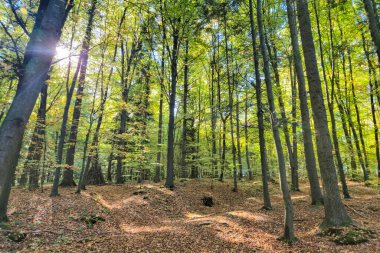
(189, 126)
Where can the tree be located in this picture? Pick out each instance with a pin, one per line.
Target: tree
(50, 19)
(335, 212)
(311, 167)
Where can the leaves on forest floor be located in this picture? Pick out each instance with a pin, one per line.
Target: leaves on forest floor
(149, 218)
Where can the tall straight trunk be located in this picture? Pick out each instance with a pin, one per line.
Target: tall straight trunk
(357, 144)
(373, 22)
(214, 161)
(65, 116)
(238, 131)
(293, 166)
(184, 170)
(335, 212)
(195, 170)
(30, 171)
(223, 118)
(311, 167)
(174, 72)
(230, 104)
(68, 175)
(109, 167)
(358, 119)
(344, 115)
(373, 91)
(288, 223)
(295, 181)
(89, 130)
(38, 141)
(46, 34)
(350, 147)
(247, 156)
(376, 129)
(224, 149)
(260, 115)
(330, 103)
(157, 176)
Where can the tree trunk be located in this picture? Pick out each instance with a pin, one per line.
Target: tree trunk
(373, 22)
(311, 167)
(170, 150)
(260, 115)
(183, 168)
(238, 131)
(65, 116)
(295, 182)
(230, 104)
(247, 156)
(357, 114)
(288, 236)
(68, 175)
(293, 166)
(330, 103)
(335, 212)
(38, 141)
(36, 66)
(214, 161)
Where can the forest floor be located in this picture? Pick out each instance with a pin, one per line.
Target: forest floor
(150, 218)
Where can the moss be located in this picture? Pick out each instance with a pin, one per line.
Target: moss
(91, 220)
(16, 236)
(5, 226)
(348, 235)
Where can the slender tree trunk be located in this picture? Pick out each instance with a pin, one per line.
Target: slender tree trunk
(288, 236)
(293, 166)
(247, 156)
(238, 131)
(38, 141)
(214, 161)
(230, 104)
(343, 115)
(30, 171)
(373, 22)
(109, 167)
(311, 167)
(373, 91)
(295, 183)
(37, 63)
(68, 175)
(224, 148)
(358, 119)
(184, 170)
(65, 116)
(260, 115)
(330, 102)
(335, 212)
(170, 150)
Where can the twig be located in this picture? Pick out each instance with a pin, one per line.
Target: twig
(352, 209)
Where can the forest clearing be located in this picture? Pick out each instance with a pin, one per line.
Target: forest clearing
(150, 218)
(189, 125)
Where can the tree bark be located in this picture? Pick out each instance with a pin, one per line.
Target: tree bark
(373, 23)
(36, 66)
(311, 167)
(260, 115)
(174, 72)
(288, 236)
(335, 212)
(68, 175)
